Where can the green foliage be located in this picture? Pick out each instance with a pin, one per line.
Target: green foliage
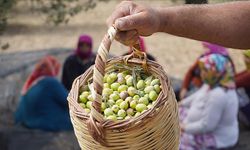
(57, 11)
(5, 8)
(60, 11)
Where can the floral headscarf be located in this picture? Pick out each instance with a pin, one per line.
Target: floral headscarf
(217, 70)
(47, 66)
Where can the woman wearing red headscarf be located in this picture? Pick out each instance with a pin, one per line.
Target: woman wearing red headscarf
(79, 62)
(43, 103)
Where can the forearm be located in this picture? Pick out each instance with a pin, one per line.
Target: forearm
(225, 24)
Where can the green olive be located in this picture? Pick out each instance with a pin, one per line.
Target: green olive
(106, 85)
(148, 89)
(103, 106)
(84, 97)
(154, 82)
(111, 78)
(108, 112)
(131, 91)
(133, 104)
(82, 105)
(87, 110)
(90, 98)
(121, 113)
(130, 112)
(114, 86)
(124, 105)
(136, 97)
(112, 117)
(107, 91)
(157, 88)
(111, 102)
(89, 104)
(153, 95)
(128, 99)
(140, 107)
(129, 81)
(118, 102)
(140, 85)
(122, 88)
(115, 108)
(114, 96)
(143, 100)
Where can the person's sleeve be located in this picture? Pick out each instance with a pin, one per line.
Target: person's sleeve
(211, 115)
(70, 72)
(186, 102)
(65, 75)
(59, 93)
(189, 75)
(242, 80)
(240, 74)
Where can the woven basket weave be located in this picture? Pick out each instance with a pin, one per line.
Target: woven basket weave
(155, 129)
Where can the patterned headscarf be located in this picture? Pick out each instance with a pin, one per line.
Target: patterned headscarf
(217, 70)
(247, 59)
(47, 66)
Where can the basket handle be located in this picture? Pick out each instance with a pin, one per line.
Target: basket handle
(99, 68)
(95, 123)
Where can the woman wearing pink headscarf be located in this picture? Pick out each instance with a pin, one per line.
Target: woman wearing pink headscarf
(77, 63)
(192, 77)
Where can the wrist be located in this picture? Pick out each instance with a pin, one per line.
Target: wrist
(161, 19)
(165, 15)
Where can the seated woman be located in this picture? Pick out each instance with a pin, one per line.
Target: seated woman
(43, 103)
(208, 118)
(192, 80)
(143, 49)
(243, 84)
(77, 63)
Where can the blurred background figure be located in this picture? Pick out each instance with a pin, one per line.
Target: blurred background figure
(209, 116)
(243, 85)
(143, 49)
(77, 63)
(43, 103)
(192, 80)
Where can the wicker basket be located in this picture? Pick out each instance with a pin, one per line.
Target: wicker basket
(155, 129)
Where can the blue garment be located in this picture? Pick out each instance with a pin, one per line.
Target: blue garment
(45, 107)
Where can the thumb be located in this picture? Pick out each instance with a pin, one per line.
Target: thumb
(130, 22)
